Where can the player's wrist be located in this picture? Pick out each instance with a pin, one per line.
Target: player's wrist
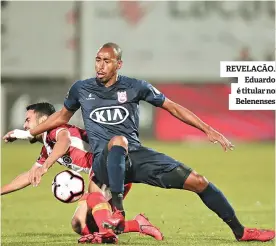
(44, 170)
(21, 134)
(207, 129)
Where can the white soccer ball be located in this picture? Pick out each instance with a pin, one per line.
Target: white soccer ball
(68, 186)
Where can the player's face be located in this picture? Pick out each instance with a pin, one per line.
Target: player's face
(31, 121)
(106, 64)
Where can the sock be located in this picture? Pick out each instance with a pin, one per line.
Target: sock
(101, 209)
(85, 231)
(214, 199)
(236, 226)
(131, 226)
(116, 174)
(117, 201)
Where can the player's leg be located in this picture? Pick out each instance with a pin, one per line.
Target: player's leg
(78, 221)
(100, 211)
(140, 223)
(165, 172)
(83, 222)
(117, 150)
(215, 200)
(212, 197)
(113, 174)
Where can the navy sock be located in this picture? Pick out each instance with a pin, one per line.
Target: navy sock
(116, 174)
(214, 199)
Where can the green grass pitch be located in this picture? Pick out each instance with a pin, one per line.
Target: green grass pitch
(246, 176)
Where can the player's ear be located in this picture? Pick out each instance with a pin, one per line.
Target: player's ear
(41, 119)
(119, 64)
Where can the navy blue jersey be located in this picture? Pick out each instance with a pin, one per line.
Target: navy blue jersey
(111, 111)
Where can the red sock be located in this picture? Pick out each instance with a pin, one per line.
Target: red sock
(101, 209)
(131, 226)
(85, 231)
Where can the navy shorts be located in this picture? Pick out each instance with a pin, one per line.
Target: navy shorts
(147, 166)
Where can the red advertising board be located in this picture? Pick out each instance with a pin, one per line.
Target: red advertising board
(210, 103)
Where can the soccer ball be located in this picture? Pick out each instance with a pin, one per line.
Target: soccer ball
(68, 186)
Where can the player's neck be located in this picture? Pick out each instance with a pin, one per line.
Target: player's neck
(39, 139)
(112, 81)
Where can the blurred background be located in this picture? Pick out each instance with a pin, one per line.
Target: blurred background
(177, 46)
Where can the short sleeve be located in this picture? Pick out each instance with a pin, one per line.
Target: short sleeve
(43, 156)
(150, 94)
(52, 134)
(71, 101)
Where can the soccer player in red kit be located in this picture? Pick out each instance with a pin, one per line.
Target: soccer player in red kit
(68, 145)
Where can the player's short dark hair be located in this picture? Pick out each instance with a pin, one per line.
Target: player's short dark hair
(42, 108)
(116, 47)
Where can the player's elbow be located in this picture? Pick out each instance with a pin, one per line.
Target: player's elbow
(171, 107)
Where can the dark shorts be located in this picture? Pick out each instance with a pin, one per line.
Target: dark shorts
(144, 165)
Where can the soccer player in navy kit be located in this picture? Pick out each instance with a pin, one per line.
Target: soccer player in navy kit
(110, 110)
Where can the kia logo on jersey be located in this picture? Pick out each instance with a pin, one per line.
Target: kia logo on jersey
(113, 115)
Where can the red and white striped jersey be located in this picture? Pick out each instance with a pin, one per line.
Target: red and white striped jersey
(78, 157)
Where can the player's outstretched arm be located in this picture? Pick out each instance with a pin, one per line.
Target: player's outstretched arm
(191, 119)
(57, 119)
(61, 147)
(20, 182)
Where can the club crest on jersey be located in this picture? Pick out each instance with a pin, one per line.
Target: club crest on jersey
(67, 159)
(122, 96)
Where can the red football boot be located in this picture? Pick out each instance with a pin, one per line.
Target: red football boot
(147, 228)
(254, 234)
(99, 238)
(117, 219)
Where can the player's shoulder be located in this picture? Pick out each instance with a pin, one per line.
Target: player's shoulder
(76, 131)
(52, 134)
(131, 82)
(80, 83)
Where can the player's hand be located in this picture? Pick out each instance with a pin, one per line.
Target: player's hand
(17, 134)
(216, 137)
(35, 176)
(8, 137)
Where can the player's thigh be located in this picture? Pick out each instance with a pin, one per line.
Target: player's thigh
(157, 169)
(83, 217)
(80, 212)
(93, 187)
(99, 168)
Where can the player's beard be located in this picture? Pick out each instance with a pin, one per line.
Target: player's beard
(106, 80)
(34, 140)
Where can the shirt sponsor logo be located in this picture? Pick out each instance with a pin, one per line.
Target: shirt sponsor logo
(112, 115)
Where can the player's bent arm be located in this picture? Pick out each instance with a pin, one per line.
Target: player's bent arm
(60, 148)
(57, 119)
(20, 182)
(185, 115)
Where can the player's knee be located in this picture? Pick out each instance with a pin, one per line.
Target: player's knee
(76, 225)
(196, 182)
(119, 141)
(202, 183)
